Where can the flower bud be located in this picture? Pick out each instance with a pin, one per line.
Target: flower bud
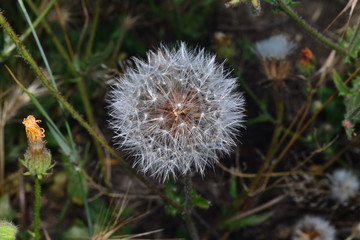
(37, 162)
(37, 156)
(7, 230)
(306, 62)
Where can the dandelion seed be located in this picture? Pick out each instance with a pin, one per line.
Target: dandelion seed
(344, 185)
(193, 111)
(313, 228)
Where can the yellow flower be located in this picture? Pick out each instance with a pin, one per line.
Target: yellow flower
(34, 132)
(37, 158)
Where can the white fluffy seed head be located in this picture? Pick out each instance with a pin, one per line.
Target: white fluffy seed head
(276, 47)
(344, 185)
(313, 228)
(176, 112)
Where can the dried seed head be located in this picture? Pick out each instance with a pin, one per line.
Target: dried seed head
(273, 53)
(313, 228)
(176, 111)
(344, 185)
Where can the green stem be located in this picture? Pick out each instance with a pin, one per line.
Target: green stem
(278, 127)
(2, 153)
(306, 26)
(188, 208)
(90, 117)
(86, 204)
(37, 208)
(93, 29)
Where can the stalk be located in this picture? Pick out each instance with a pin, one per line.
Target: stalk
(37, 208)
(188, 208)
(2, 154)
(93, 29)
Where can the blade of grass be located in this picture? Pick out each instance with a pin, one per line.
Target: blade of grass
(23, 9)
(93, 29)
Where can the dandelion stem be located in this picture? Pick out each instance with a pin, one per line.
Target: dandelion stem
(306, 26)
(37, 208)
(188, 208)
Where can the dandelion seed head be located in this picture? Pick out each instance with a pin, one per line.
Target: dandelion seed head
(276, 47)
(313, 228)
(176, 111)
(344, 185)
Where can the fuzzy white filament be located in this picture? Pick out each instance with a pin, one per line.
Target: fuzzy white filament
(275, 47)
(176, 112)
(344, 185)
(314, 228)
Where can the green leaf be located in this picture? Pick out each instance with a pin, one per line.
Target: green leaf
(248, 221)
(76, 233)
(75, 184)
(341, 87)
(200, 201)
